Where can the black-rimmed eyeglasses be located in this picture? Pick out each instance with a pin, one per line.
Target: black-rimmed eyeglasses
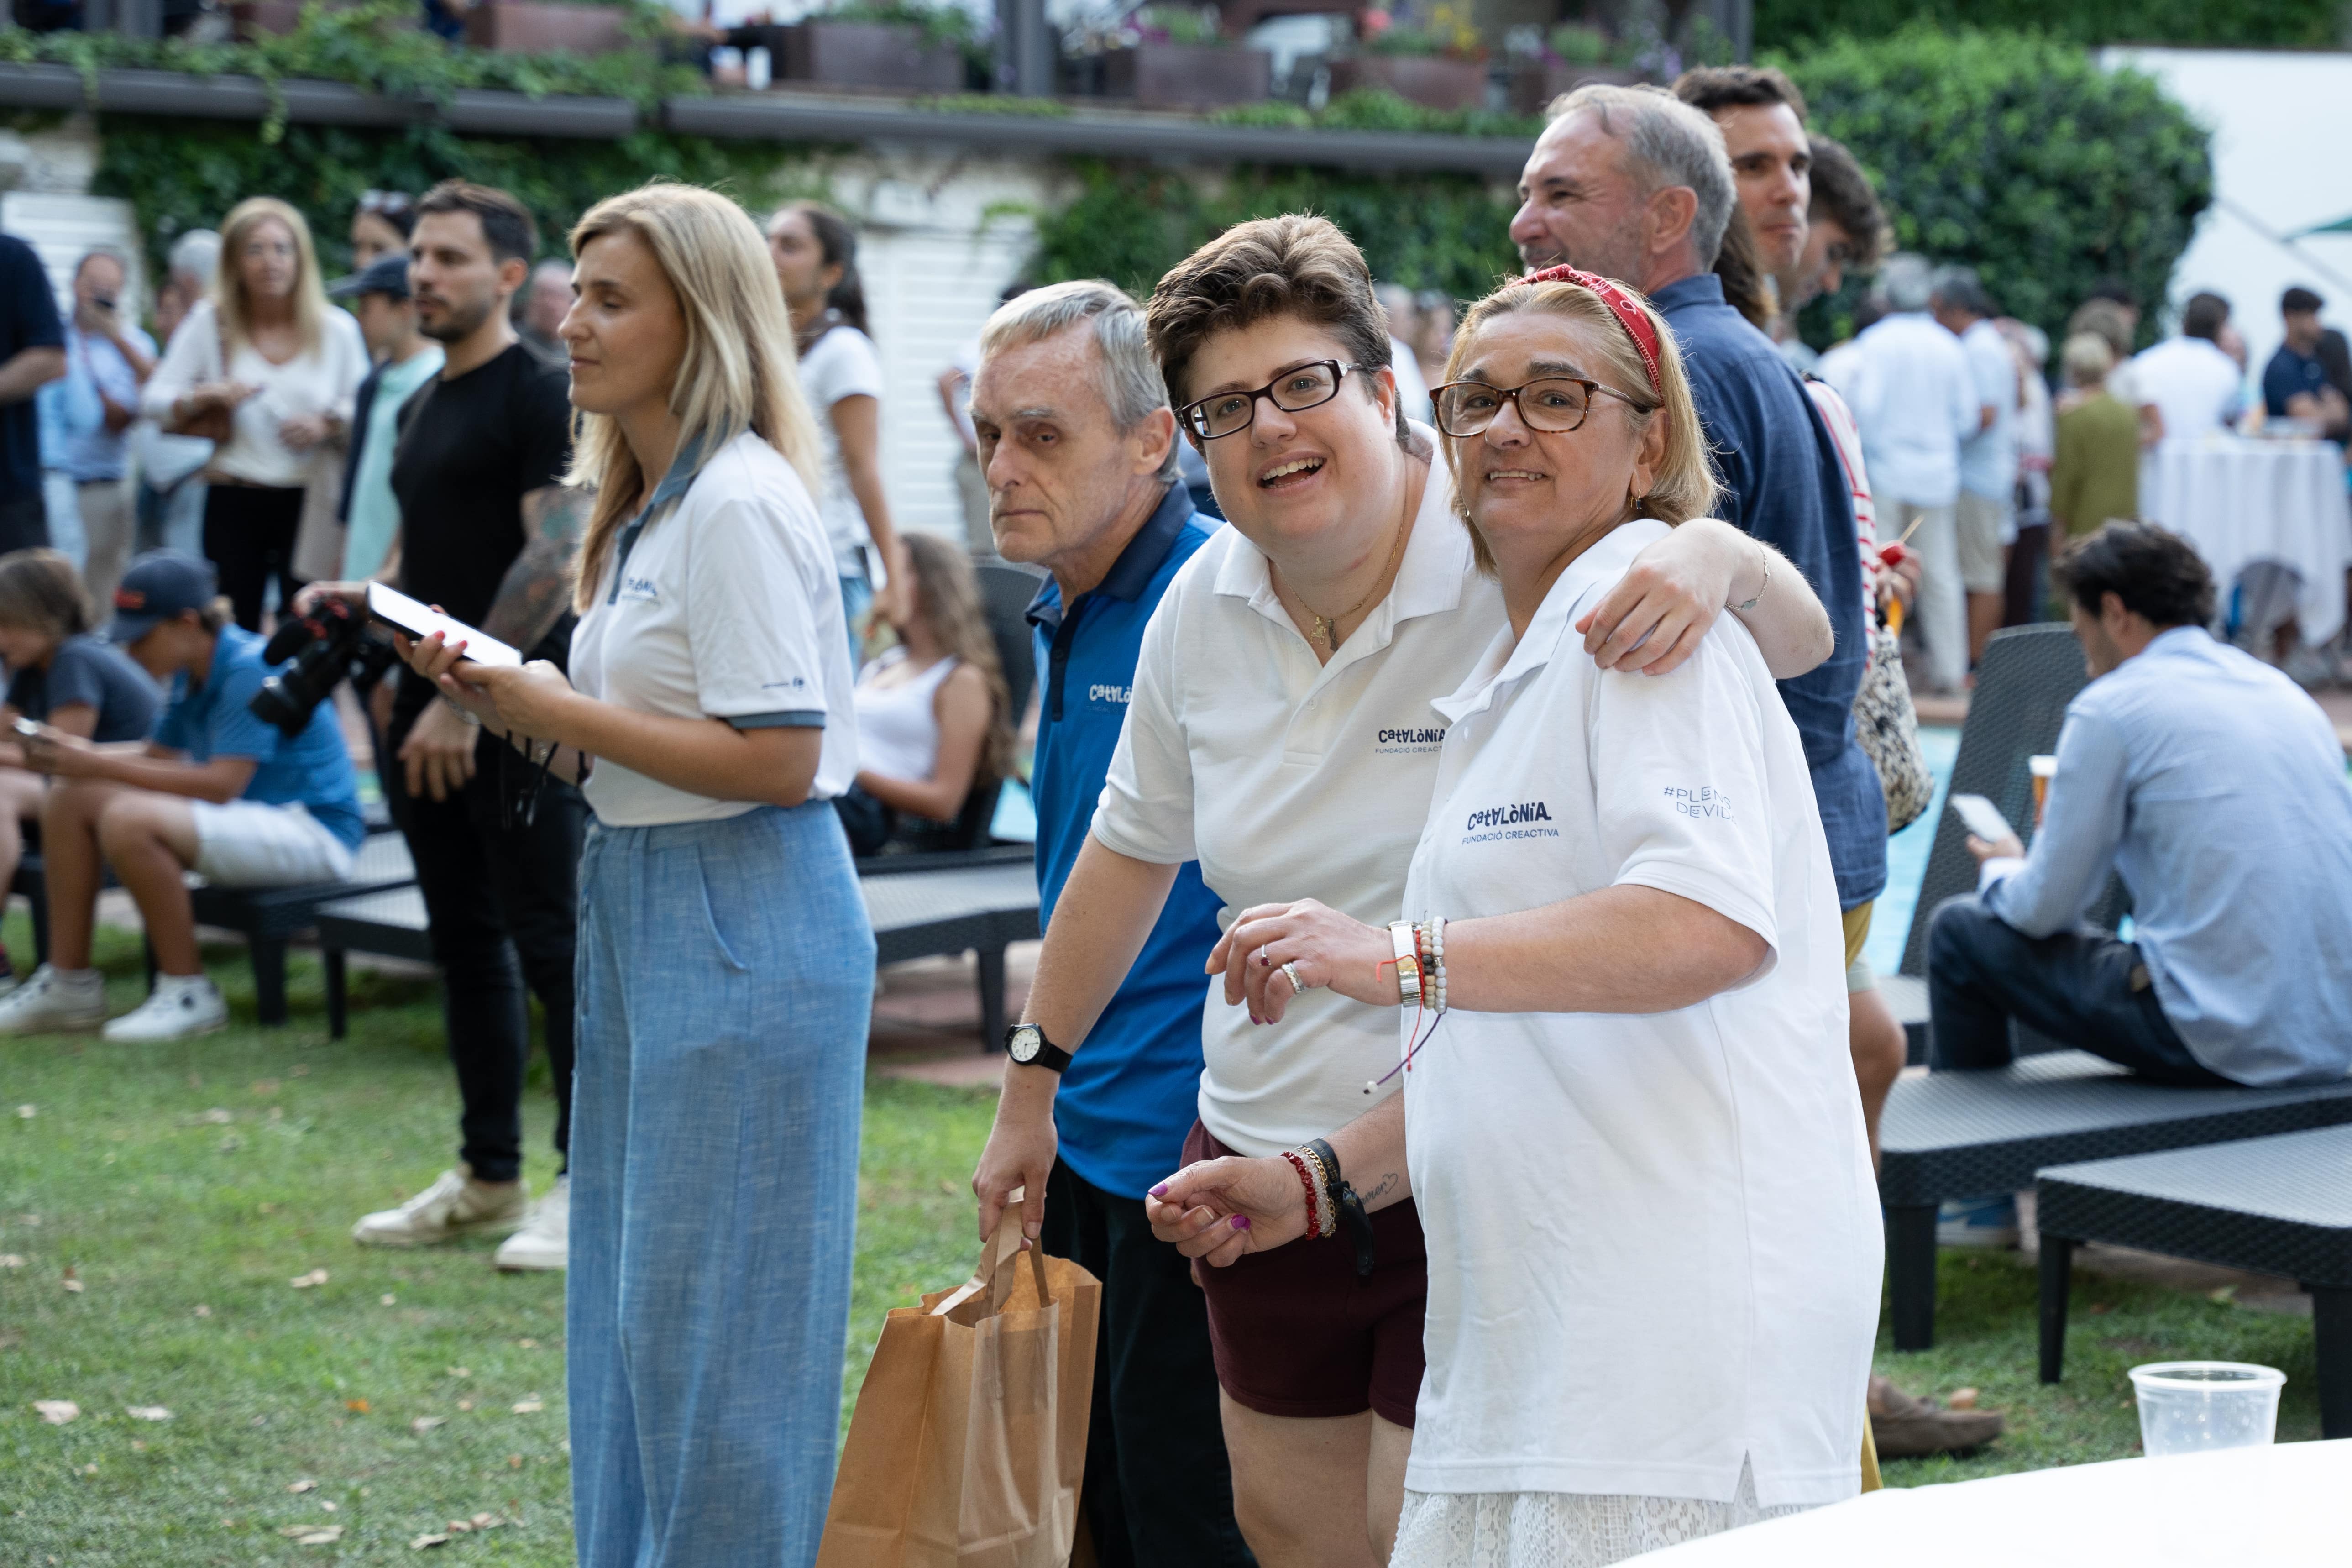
(1553, 403)
(1294, 391)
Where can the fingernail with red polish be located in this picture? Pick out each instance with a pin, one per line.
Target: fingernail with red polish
(1241, 1222)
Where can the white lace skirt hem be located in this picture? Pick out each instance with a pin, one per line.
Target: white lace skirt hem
(1560, 1529)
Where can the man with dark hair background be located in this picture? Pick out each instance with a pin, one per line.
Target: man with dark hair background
(2295, 382)
(2214, 786)
(2195, 387)
(488, 532)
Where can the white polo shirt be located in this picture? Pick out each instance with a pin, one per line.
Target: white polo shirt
(727, 607)
(1289, 779)
(1654, 1240)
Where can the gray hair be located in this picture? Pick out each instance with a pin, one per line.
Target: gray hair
(1131, 387)
(1960, 289)
(1666, 144)
(195, 256)
(1908, 280)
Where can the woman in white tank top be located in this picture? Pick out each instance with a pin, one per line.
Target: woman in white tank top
(932, 720)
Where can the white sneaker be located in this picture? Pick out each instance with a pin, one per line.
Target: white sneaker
(451, 1207)
(179, 1006)
(543, 1241)
(54, 1001)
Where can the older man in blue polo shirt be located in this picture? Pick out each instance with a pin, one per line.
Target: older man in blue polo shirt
(1078, 448)
(1634, 185)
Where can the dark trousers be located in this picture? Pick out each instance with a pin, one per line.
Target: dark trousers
(249, 537)
(2025, 595)
(1158, 1490)
(2082, 988)
(25, 525)
(504, 906)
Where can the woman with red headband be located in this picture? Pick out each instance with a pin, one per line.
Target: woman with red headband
(1634, 1138)
(1281, 732)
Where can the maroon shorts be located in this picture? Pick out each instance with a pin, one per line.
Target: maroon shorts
(1296, 1333)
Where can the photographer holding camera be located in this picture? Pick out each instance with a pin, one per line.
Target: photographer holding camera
(219, 790)
(488, 533)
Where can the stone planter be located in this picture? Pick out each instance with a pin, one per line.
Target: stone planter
(1535, 84)
(535, 27)
(819, 52)
(1434, 82)
(1187, 75)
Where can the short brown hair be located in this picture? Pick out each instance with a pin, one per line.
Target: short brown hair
(1295, 265)
(41, 592)
(506, 223)
(1710, 87)
(1843, 193)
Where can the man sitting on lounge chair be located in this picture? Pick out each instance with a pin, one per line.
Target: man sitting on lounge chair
(2215, 787)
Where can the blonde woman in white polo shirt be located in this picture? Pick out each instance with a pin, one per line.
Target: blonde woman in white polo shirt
(726, 963)
(1281, 733)
(1631, 1123)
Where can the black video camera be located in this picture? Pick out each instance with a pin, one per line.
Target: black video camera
(328, 645)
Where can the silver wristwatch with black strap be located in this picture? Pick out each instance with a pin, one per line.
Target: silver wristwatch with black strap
(1027, 1046)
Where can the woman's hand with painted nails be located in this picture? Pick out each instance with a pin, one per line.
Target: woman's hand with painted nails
(1217, 1210)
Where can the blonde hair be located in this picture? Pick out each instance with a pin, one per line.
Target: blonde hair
(2087, 359)
(739, 372)
(947, 597)
(229, 302)
(1685, 486)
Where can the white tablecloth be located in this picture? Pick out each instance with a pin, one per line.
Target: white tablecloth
(2241, 502)
(2290, 1504)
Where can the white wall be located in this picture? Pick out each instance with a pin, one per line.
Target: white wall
(2281, 122)
(939, 239)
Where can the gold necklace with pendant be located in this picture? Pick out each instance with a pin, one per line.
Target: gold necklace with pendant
(1326, 628)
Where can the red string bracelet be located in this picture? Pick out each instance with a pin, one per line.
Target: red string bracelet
(1306, 1180)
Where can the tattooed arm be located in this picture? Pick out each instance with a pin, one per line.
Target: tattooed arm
(537, 589)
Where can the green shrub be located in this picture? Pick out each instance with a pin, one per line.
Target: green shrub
(180, 175)
(1130, 224)
(2015, 155)
(2295, 23)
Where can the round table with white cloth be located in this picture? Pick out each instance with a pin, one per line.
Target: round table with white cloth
(2241, 502)
(2283, 1504)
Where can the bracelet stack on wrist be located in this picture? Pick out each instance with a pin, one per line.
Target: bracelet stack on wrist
(1318, 1217)
(1426, 940)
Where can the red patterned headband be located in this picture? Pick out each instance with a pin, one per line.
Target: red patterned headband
(1636, 319)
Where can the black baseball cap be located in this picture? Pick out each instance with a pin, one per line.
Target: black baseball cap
(158, 587)
(385, 275)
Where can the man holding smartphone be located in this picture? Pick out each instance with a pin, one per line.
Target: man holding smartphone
(487, 531)
(107, 360)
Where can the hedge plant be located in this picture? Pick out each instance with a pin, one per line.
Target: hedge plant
(2016, 154)
(180, 175)
(2287, 23)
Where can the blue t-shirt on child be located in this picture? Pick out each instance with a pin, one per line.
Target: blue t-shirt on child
(312, 769)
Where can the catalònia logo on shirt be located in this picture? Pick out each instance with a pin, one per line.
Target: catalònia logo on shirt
(1407, 738)
(1516, 819)
(1102, 693)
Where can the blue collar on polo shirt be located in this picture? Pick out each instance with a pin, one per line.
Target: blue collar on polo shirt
(676, 483)
(1128, 577)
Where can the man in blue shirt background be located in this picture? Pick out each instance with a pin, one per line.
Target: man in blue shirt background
(1078, 447)
(2296, 383)
(218, 791)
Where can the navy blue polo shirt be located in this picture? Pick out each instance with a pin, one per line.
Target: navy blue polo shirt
(2291, 373)
(1132, 1093)
(1781, 483)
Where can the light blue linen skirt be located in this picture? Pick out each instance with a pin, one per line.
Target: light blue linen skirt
(725, 976)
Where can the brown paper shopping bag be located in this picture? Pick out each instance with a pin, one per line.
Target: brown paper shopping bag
(970, 1437)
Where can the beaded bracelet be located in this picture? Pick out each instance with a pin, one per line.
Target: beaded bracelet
(1437, 957)
(1307, 1180)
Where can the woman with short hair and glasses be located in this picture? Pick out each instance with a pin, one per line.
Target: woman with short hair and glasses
(1630, 1122)
(1281, 732)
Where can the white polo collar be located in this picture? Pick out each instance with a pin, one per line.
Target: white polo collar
(1431, 580)
(1506, 661)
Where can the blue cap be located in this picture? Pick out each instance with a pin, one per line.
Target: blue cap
(158, 587)
(385, 275)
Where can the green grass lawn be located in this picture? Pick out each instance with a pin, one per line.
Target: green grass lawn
(184, 1186)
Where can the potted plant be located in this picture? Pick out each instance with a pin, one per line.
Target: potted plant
(1173, 56)
(544, 26)
(1544, 66)
(1437, 62)
(880, 43)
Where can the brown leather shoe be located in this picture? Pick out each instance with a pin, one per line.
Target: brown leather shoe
(1906, 1428)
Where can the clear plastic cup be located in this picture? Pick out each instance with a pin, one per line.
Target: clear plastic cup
(2189, 1406)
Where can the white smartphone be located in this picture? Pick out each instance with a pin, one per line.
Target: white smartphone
(418, 621)
(1982, 818)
